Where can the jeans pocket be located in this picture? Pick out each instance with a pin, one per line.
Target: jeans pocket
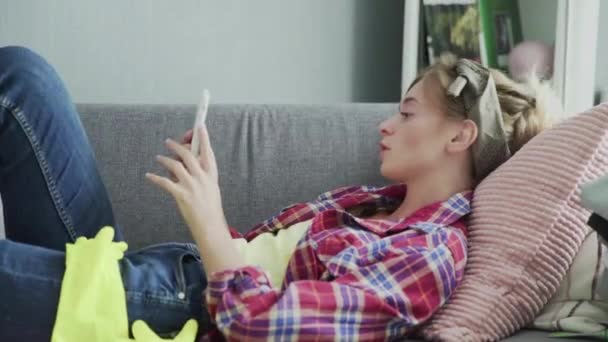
(158, 272)
(164, 285)
(189, 273)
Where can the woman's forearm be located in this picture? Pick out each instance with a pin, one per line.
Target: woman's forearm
(218, 251)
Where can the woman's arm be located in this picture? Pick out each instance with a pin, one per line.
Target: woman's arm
(194, 185)
(381, 292)
(218, 251)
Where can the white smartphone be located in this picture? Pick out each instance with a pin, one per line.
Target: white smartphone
(201, 116)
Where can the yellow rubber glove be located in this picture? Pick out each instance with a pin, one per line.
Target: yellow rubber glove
(92, 305)
(143, 333)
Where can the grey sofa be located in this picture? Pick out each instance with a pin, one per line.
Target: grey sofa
(269, 156)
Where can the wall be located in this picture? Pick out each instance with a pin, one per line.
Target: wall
(538, 23)
(538, 18)
(601, 70)
(263, 51)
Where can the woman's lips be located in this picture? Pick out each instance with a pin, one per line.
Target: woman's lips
(383, 148)
(382, 152)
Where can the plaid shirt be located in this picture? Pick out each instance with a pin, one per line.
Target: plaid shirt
(350, 278)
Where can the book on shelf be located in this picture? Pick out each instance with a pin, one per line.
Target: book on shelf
(501, 30)
(481, 30)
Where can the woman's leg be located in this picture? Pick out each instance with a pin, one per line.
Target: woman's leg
(52, 193)
(51, 189)
(164, 287)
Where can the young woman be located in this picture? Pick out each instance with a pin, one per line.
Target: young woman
(370, 263)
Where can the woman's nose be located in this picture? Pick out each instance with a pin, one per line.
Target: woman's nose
(383, 127)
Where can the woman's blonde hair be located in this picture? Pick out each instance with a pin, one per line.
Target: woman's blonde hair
(527, 107)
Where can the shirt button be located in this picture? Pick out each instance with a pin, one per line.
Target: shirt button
(181, 295)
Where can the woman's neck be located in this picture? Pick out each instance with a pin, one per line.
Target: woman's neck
(428, 190)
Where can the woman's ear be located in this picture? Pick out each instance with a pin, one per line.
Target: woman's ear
(464, 136)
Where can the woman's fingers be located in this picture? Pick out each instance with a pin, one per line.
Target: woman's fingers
(185, 155)
(206, 151)
(202, 148)
(187, 137)
(176, 157)
(207, 154)
(175, 168)
(163, 182)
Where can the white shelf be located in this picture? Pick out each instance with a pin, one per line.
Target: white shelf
(411, 24)
(575, 53)
(576, 30)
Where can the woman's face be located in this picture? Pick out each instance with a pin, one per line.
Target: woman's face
(416, 137)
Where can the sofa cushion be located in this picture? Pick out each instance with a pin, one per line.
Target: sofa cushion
(525, 230)
(580, 304)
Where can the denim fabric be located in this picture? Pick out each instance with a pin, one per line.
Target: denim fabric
(53, 193)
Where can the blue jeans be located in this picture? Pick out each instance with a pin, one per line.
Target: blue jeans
(52, 193)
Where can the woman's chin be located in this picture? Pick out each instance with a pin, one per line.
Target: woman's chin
(396, 175)
(385, 172)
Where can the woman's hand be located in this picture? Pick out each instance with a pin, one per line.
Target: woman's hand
(186, 141)
(193, 183)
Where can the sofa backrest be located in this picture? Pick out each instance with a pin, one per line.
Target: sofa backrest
(269, 156)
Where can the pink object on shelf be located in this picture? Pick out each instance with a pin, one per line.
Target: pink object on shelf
(528, 56)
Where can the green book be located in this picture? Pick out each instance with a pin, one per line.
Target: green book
(500, 31)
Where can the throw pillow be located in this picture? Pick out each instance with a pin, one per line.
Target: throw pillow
(525, 229)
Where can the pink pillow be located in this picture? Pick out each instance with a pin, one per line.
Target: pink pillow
(525, 230)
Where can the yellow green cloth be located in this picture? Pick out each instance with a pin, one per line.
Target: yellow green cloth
(273, 252)
(92, 305)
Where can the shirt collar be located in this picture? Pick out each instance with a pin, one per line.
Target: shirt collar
(390, 197)
(372, 198)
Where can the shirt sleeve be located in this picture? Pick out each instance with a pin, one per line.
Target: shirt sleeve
(234, 233)
(381, 291)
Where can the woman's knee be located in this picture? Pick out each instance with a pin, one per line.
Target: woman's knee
(21, 65)
(20, 55)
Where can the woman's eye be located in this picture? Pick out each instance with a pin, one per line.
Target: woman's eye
(406, 115)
